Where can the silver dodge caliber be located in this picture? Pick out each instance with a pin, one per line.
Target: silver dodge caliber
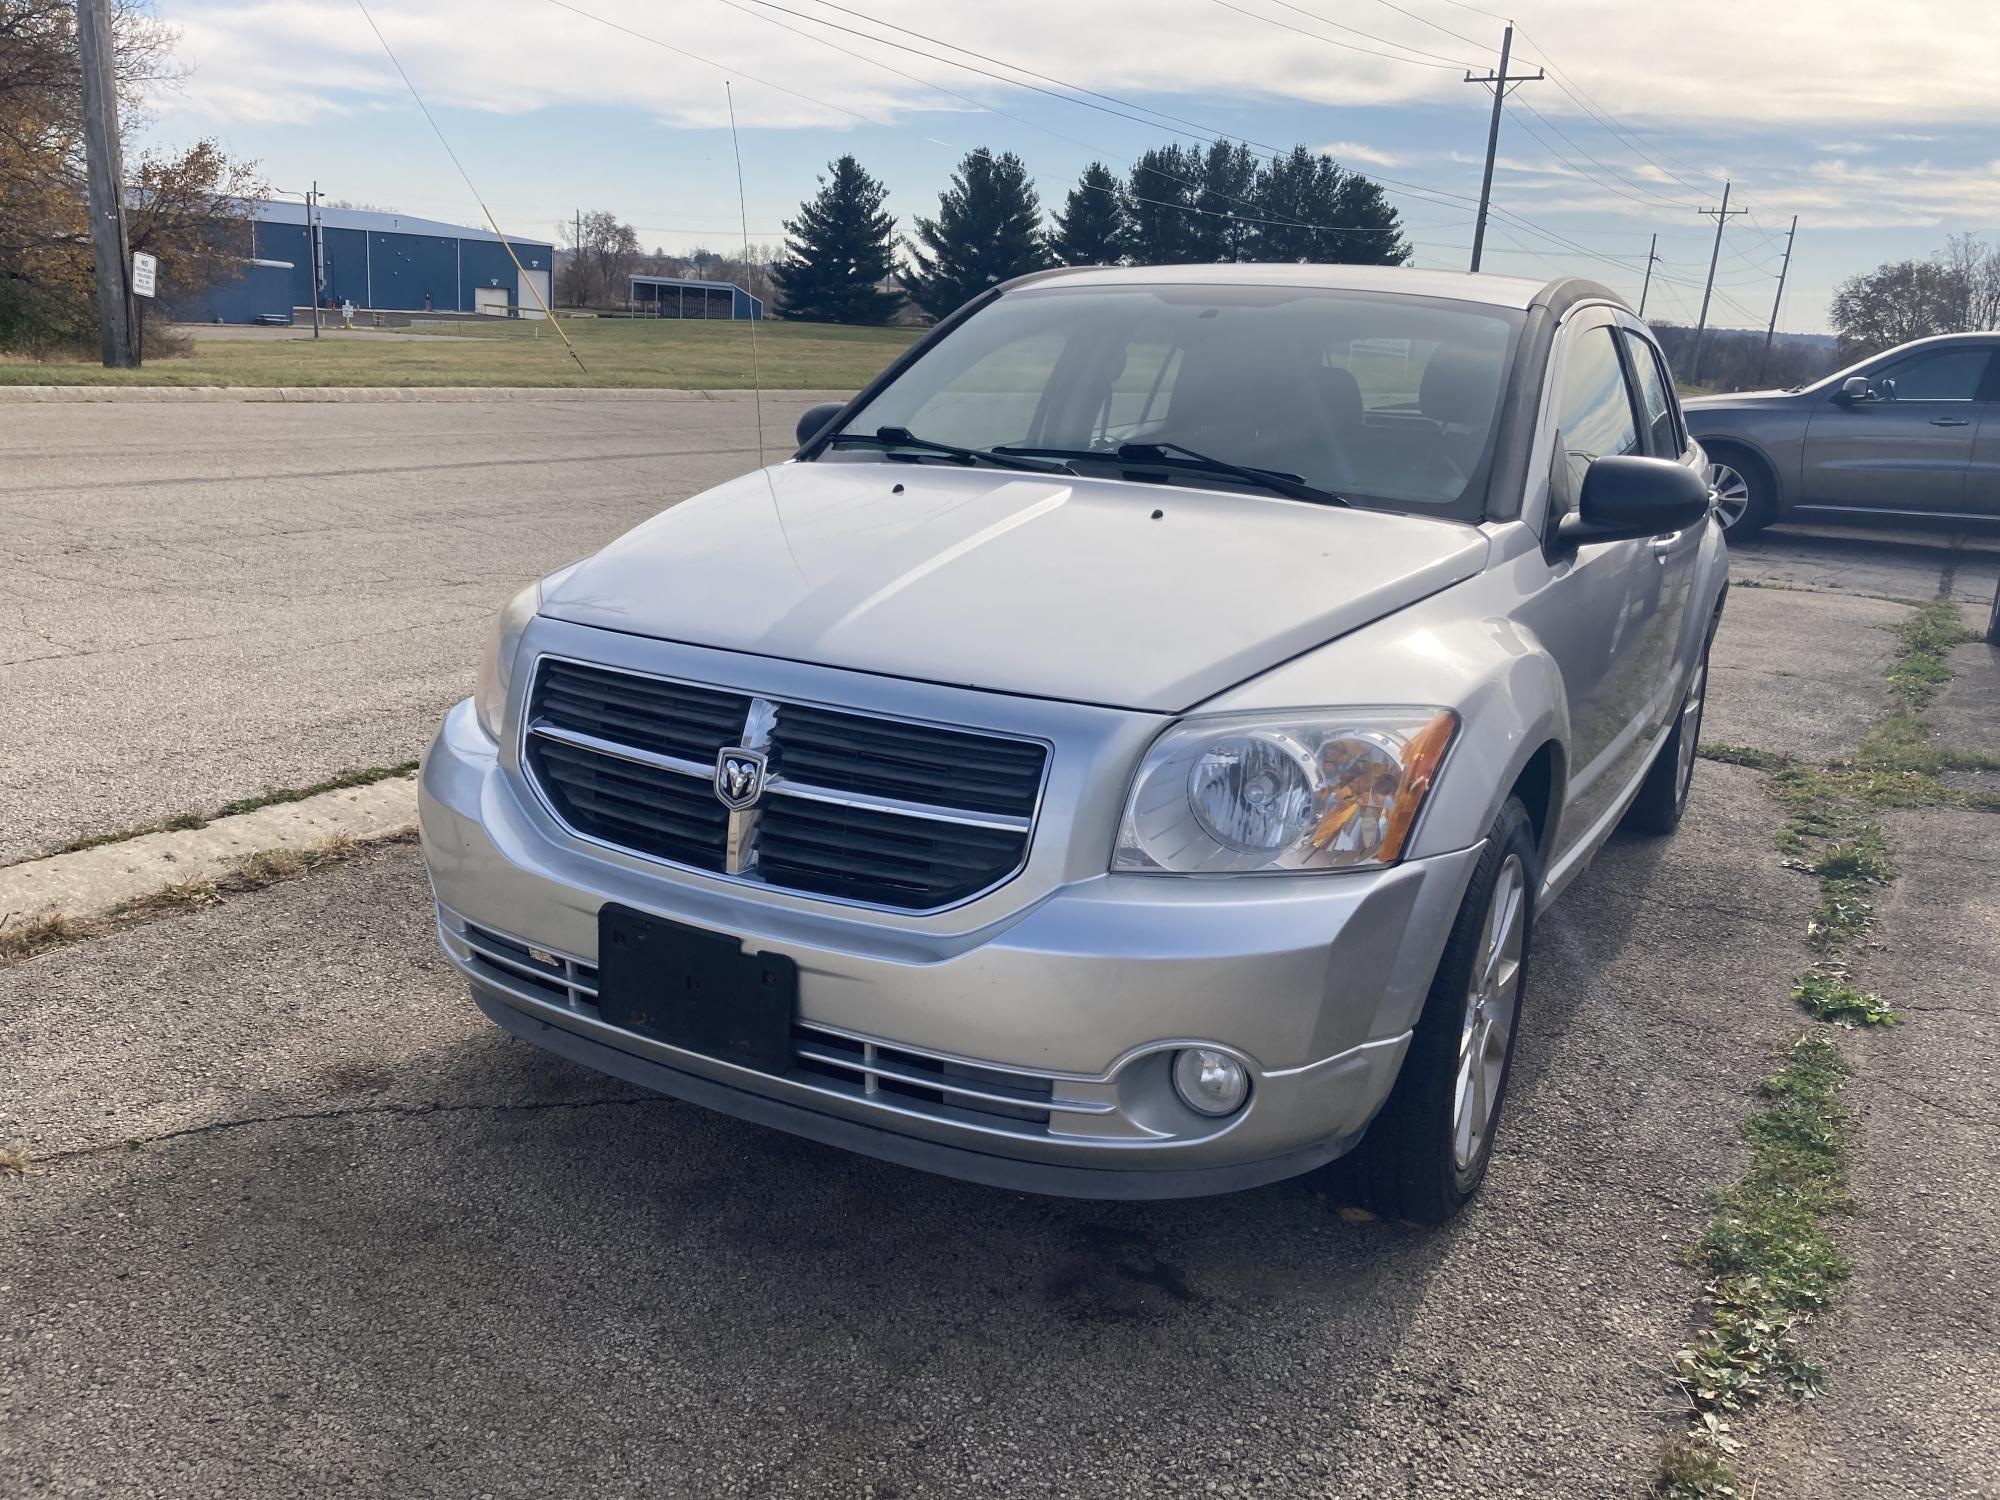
(1124, 751)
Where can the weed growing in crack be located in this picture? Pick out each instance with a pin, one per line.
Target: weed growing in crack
(1771, 1265)
(1827, 996)
(1922, 642)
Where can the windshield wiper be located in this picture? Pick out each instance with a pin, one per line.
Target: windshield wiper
(1180, 456)
(902, 437)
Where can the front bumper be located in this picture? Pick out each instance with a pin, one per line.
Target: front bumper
(1030, 1050)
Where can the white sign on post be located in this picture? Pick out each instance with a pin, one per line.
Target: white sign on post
(145, 268)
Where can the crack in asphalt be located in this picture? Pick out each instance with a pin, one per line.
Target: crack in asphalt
(354, 1111)
(99, 487)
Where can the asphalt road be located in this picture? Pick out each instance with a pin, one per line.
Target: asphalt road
(206, 601)
(304, 1223)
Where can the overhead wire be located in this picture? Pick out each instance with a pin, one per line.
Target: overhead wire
(438, 131)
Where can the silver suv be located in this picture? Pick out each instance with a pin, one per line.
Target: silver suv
(1123, 753)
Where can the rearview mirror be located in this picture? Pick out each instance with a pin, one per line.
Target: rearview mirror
(815, 419)
(1855, 388)
(1623, 498)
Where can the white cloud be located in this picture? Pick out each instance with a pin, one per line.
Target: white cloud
(1348, 151)
(1854, 65)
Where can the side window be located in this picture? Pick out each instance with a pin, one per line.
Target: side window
(1655, 398)
(1940, 375)
(1593, 410)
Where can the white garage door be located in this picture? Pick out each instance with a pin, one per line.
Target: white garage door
(491, 300)
(531, 282)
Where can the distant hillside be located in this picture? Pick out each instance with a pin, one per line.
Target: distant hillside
(1733, 359)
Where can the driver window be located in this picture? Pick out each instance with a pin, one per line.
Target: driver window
(1941, 375)
(1593, 411)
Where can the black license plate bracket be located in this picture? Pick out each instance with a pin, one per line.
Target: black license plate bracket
(691, 988)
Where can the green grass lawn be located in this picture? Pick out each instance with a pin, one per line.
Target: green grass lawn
(615, 352)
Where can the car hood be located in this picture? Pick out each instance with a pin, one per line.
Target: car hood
(1092, 590)
(1755, 400)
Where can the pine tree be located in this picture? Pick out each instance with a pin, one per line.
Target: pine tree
(838, 251)
(1317, 212)
(988, 229)
(1090, 231)
(1159, 206)
(1228, 178)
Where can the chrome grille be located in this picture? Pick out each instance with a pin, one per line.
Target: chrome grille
(855, 807)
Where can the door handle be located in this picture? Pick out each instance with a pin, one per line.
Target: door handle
(1949, 422)
(1666, 546)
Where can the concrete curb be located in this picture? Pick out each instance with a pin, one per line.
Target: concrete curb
(93, 882)
(150, 394)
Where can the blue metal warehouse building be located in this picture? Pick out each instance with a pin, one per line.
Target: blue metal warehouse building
(379, 261)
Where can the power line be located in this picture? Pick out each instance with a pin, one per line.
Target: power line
(1335, 42)
(1018, 68)
(1450, 62)
(1612, 175)
(709, 62)
(1434, 26)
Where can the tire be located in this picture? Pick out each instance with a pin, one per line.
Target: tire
(1663, 795)
(1426, 1154)
(1746, 497)
(1993, 620)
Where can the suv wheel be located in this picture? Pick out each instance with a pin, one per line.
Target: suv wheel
(1993, 620)
(1742, 493)
(1427, 1152)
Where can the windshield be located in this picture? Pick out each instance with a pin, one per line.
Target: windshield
(1382, 399)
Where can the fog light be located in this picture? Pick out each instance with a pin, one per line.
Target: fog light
(1210, 1082)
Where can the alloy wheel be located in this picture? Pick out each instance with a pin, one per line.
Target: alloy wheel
(1732, 494)
(1491, 1000)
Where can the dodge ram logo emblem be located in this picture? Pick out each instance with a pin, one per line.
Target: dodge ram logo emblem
(739, 777)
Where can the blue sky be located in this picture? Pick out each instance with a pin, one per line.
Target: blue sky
(1853, 115)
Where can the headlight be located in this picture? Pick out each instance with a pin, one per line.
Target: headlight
(1325, 792)
(496, 667)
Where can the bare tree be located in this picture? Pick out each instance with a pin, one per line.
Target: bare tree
(1975, 267)
(602, 254)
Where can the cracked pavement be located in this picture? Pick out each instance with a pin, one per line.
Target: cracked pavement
(303, 1221)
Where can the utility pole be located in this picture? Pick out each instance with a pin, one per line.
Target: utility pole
(1500, 82)
(1652, 255)
(1721, 216)
(1785, 266)
(312, 252)
(116, 311)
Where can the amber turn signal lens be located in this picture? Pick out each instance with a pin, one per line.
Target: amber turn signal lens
(1421, 759)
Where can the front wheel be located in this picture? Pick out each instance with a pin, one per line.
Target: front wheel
(1427, 1152)
(1993, 620)
(1743, 498)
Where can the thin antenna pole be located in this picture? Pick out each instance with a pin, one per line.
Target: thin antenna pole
(498, 233)
(743, 210)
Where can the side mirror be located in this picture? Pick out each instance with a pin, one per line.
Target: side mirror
(1855, 388)
(1624, 498)
(815, 419)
